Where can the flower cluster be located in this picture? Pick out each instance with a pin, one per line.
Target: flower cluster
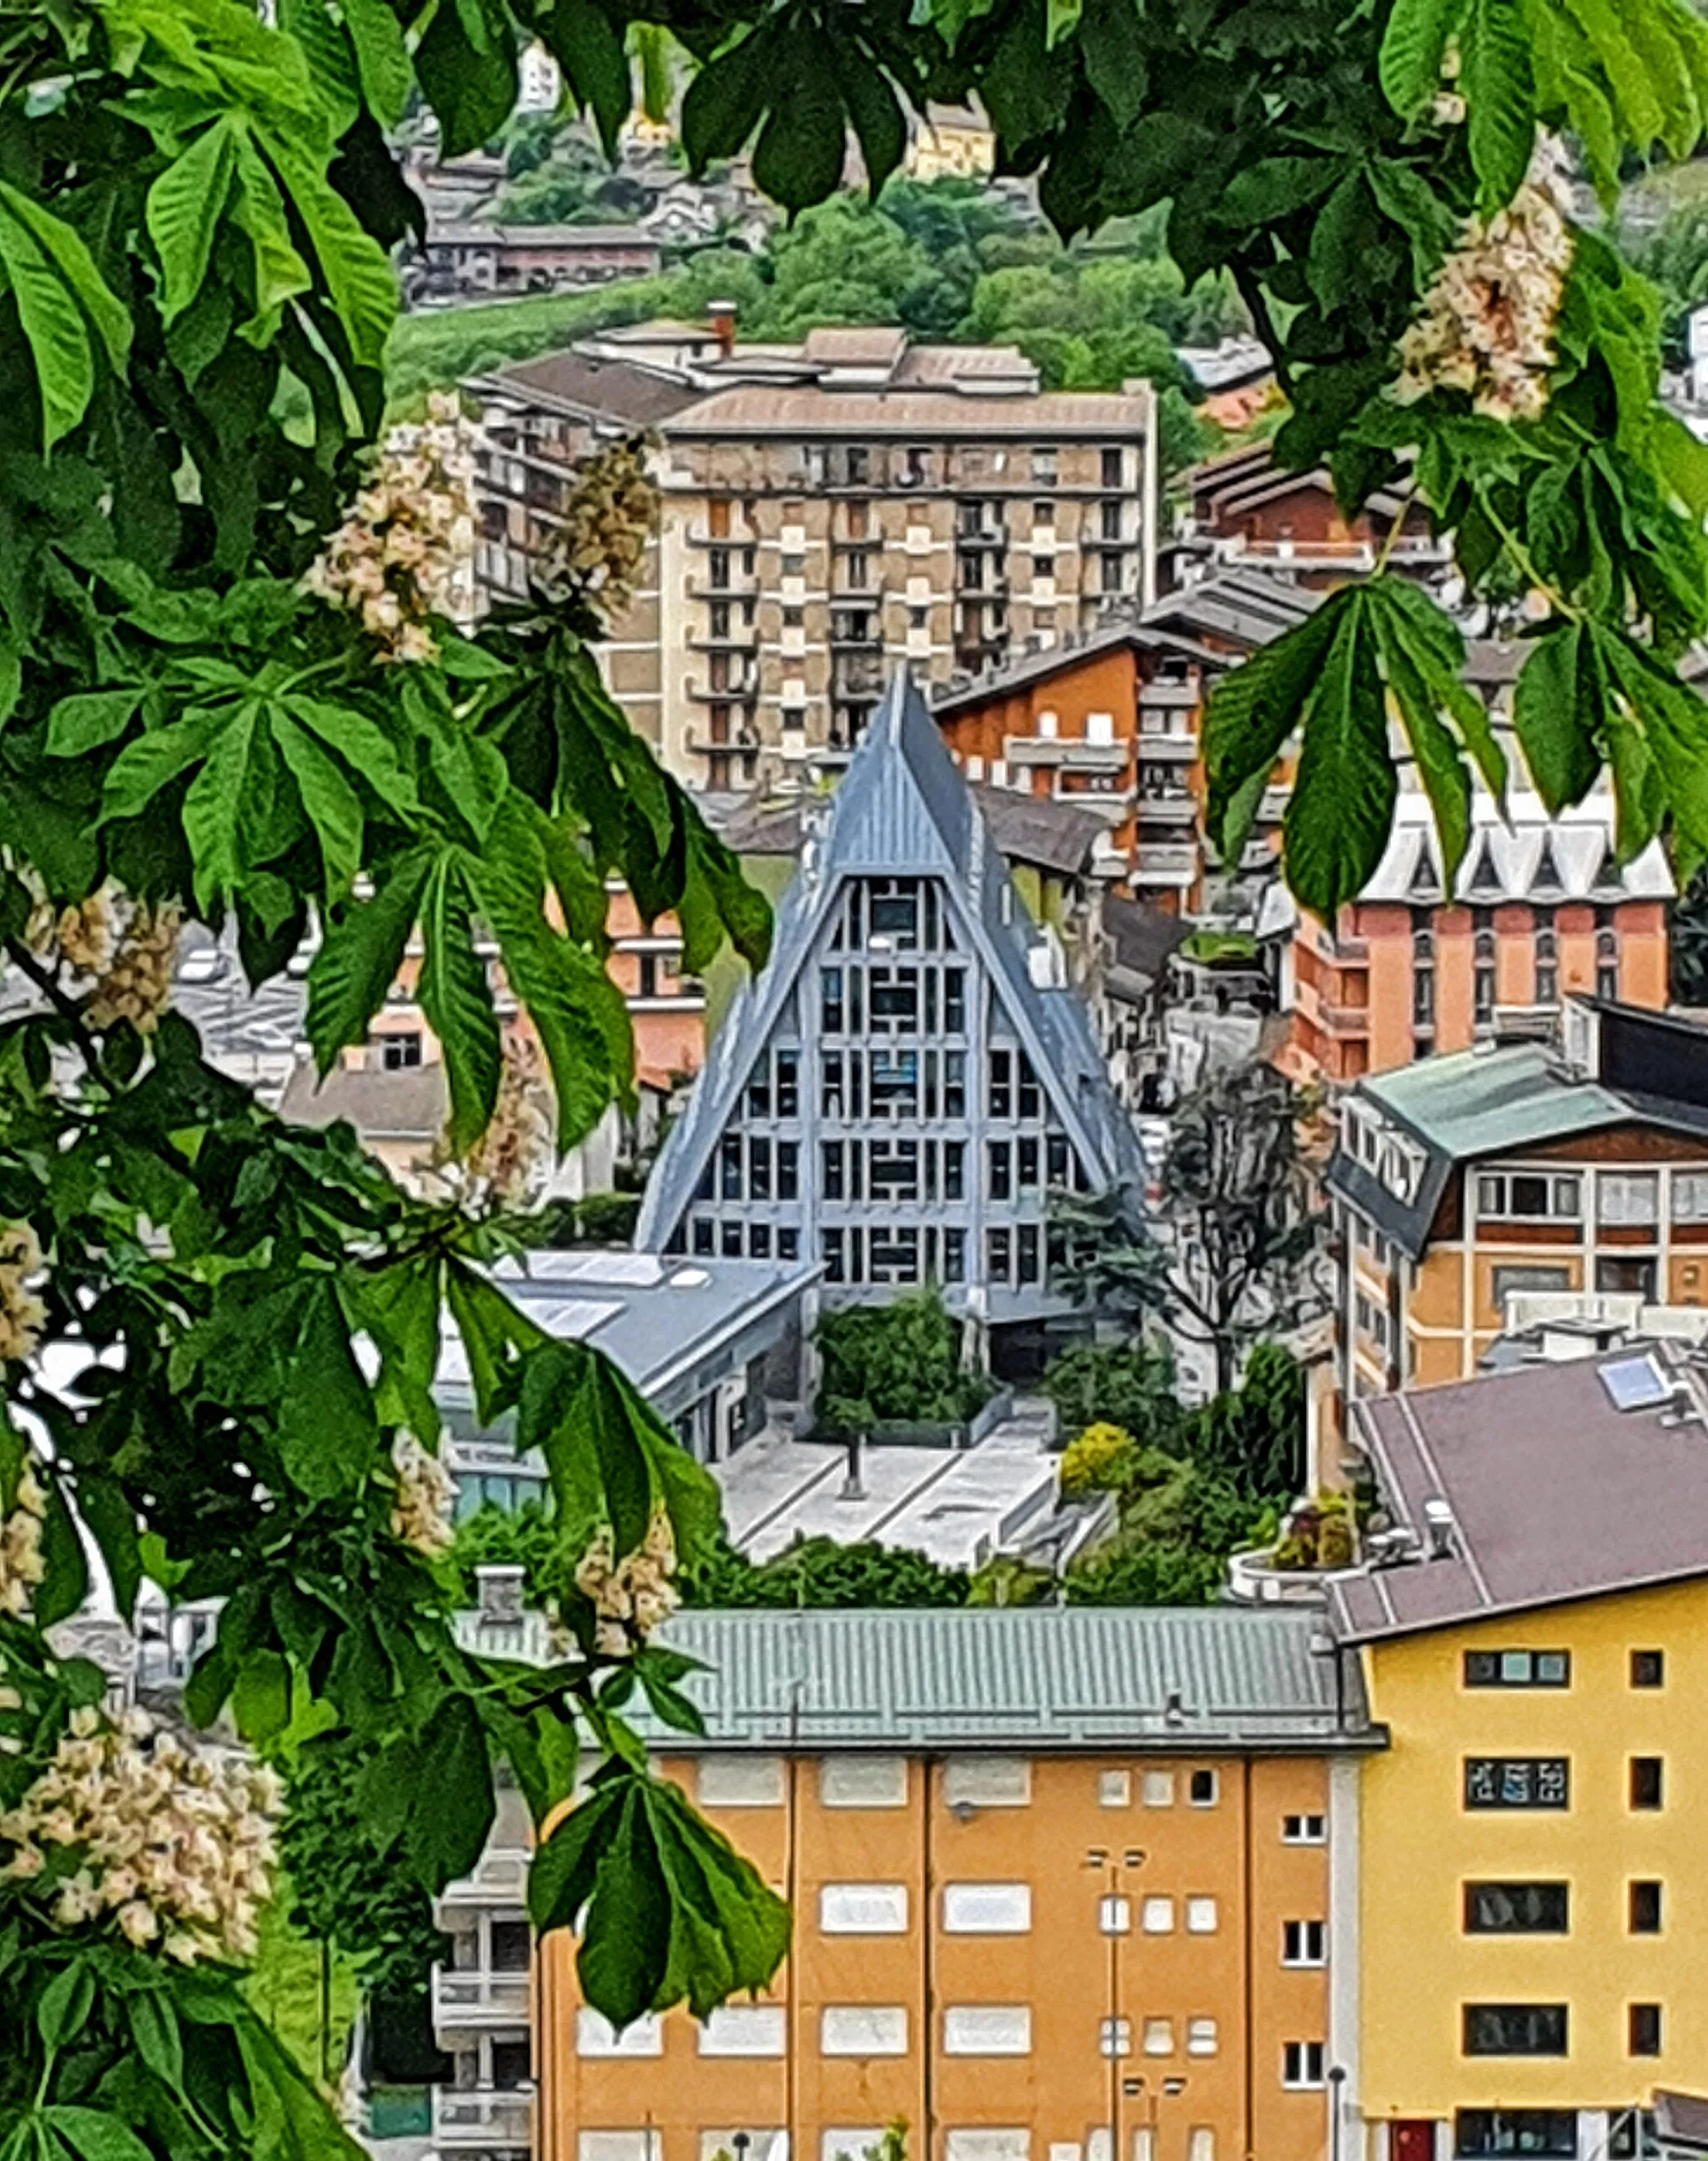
(630, 1596)
(126, 949)
(1488, 320)
(426, 1490)
(172, 1843)
(609, 517)
(406, 553)
(506, 1161)
(21, 1564)
(22, 1312)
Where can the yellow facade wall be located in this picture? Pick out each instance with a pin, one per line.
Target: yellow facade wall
(1065, 1968)
(1420, 1845)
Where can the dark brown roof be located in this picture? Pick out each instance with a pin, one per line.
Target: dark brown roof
(614, 388)
(1059, 659)
(1681, 2119)
(1041, 830)
(407, 1105)
(1142, 936)
(1552, 1491)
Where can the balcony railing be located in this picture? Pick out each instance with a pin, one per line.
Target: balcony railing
(1164, 865)
(1178, 697)
(744, 685)
(498, 1879)
(1073, 753)
(1169, 806)
(479, 1997)
(1178, 746)
(482, 2116)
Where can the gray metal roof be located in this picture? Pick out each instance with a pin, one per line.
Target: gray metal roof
(1039, 1678)
(1555, 1492)
(901, 809)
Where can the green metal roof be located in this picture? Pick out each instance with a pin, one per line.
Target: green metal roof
(1473, 1102)
(1044, 1678)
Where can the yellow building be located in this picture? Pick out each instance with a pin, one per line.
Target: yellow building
(1460, 1180)
(1533, 1841)
(1062, 1887)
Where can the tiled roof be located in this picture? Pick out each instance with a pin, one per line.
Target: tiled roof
(1061, 659)
(408, 1103)
(767, 411)
(1044, 1678)
(606, 387)
(1552, 1491)
(1519, 853)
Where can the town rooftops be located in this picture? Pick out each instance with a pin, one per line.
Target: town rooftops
(1112, 635)
(1042, 1679)
(1533, 1488)
(1404, 1131)
(1048, 831)
(656, 1318)
(952, 407)
(406, 1103)
(1517, 852)
(583, 382)
(483, 232)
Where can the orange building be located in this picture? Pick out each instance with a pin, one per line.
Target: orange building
(1541, 910)
(1247, 510)
(1460, 1180)
(1062, 1886)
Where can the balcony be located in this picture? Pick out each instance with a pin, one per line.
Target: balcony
(744, 640)
(1253, 1580)
(1072, 753)
(738, 588)
(1164, 863)
(498, 1879)
(698, 534)
(981, 536)
(1168, 697)
(481, 2117)
(740, 742)
(1177, 744)
(478, 1998)
(1345, 1024)
(1272, 803)
(1166, 806)
(743, 684)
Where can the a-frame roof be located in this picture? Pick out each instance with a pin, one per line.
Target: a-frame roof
(901, 809)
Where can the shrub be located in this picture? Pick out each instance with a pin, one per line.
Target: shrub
(900, 1361)
(820, 1572)
(1100, 1462)
(1130, 1385)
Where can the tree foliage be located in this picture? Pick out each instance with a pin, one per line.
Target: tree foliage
(899, 1363)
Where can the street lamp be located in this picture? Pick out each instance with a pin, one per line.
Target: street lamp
(1337, 2079)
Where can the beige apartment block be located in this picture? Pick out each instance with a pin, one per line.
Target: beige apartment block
(831, 511)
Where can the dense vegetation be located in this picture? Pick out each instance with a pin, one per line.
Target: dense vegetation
(900, 1363)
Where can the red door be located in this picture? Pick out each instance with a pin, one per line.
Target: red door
(1412, 2139)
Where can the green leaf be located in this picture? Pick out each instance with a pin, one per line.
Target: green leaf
(365, 746)
(1254, 709)
(353, 973)
(1640, 109)
(1413, 46)
(53, 324)
(1341, 810)
(469, 81)
(723, 104)
(89, 718)
(358, 273)
(213, 808)
(1420, 695)
(327, 1435)
(65, 1583)
(110, 1519)
(1117, 57)
(880, 127)
(1271, 189)
(456, 1001)
(64, 248)
(382, 58)
(184, 207)
(328, 799)
(1556, 737)
(261, 1697)
(280, 272)
(797, 159)
(1496, 81)
(63, 2009)
(94, 2134)
(1338, 242)
(154, 2024)
(591, 47)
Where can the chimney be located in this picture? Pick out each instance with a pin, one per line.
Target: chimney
(720, 315)
(498, 1591)
(1438, 1525)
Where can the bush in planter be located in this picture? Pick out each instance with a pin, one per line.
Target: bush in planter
(1321, 1534)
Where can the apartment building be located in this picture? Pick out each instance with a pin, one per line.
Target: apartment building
(1541, 910)
(1533, 1635)
(1065, 1885)
(1244, 510)
(831, 510)
(898, 1092)
(1461, 1179)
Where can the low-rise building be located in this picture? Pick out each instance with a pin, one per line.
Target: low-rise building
(1533, 1626)
(1460, 1180)
(896, 1093)
(1066, 1881)
(478, 258)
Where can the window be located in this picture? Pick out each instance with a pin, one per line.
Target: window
(758, 1168)
(1302, 1943)
(954, 1001)
(831, 1084)
(834, 1254)
(789, 1084)
(1509, 1279)
(399, 1052)
(1303, 1830)
(830, 1172)
(596, 2036)
(892, 1171)
(1517, 1910)
(1115, 1916)
(704, 1234)
(1157, 1917)
(1044, 467)
(788, 1172)
(740, 1781)
(1157, 1789)
(1301, 2063)
(1201, 2038)
(1517, 1782)
(1000, 1157)
(987, 1909)
(1002, 1084)
(1643, 1907)
(1004, 2145)
(1160, 2037)
(1645, 1782)
(1514, 2029)
(863, 2029)
(988, 2030)
(744, 2029)
(1115, 2036)
(1690, 1196)
(954, 1084)
(1516, 1194)
(863, 1909)
(1627, 1197)
(1482, 2134)
(762, 2145)
(998, 1255)
(895, 998)
(988, 1782)
(788, 1243)
(1110, 468)
(1649, 1669)
(1201, 1917)
(830, 999)
(1202, 1790)
(616, 2146)
(895, 1084)
(1642, 2029)
(1517, 1670)
(759, 1241)
(848, 2145)
(1114, 1789)
(955, 1253)
(731, 1244)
